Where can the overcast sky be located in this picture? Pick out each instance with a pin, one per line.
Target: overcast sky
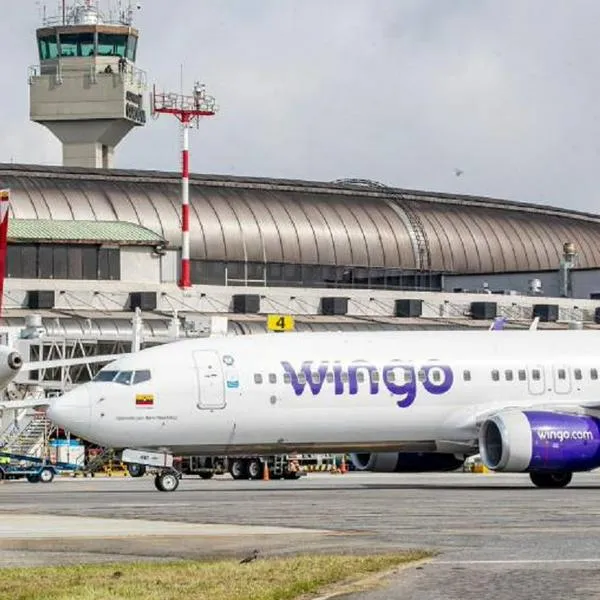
(400, 91)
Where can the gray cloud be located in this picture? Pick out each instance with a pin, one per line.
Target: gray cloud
(401, 91)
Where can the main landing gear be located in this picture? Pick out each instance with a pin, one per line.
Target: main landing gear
(550, 479)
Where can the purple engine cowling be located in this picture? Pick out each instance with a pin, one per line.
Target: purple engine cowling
(518, 441)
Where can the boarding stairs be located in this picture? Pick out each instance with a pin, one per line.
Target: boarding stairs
(26, 435)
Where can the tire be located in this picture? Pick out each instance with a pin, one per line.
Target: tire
(290, 475)
(255, 468)
(238, 468)
(46, 475)
(166, 482)
(136, 470)
(33, 478)
(552, 479)
(207, 475)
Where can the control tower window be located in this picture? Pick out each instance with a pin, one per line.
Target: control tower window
(131, 47)
(48, 47)
(110, 44)
(77, 44)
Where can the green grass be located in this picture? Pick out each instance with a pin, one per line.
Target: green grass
(263, 579)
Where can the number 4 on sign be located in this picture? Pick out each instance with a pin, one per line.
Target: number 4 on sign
(280, 323)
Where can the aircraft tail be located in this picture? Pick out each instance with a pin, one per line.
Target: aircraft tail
(4, 209)
(498, 324)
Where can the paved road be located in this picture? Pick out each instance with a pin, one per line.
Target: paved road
(497, 535)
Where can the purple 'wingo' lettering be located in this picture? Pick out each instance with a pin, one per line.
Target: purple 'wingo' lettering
(445, 381)
(399, 378)
(408, 389)
(314, 383)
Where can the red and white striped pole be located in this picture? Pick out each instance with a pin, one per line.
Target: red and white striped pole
(186, 281)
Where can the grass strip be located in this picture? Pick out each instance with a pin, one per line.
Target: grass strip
(264, 579)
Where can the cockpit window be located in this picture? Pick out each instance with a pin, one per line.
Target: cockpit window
(123, 377)
(106, 375)
(141, 376)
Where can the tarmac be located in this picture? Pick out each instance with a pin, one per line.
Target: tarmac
(495, 535)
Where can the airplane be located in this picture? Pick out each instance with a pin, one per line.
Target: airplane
(526, 401)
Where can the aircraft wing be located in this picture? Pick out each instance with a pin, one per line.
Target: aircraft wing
(69, 362)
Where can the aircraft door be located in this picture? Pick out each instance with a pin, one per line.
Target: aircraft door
(536, 379)
(209, 374)
(562, 379)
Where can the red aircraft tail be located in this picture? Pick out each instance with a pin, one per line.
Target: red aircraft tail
(4, 205)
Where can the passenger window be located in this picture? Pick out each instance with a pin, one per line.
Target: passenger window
(360, 377)
(286, 378)
(421, 375)
(329, 377)
(435, 375)
(466, 375)
(594, 374)
(535, 374)
(495, 375)
(577, 373)
(522, 375)
(123, 377)
(301, 378)
(141, 376)
(562, 374)
(345, 377)
(391, 376)
(257, 378)
(374, 376)
(316, 377)
(272, 378)
(508, 374)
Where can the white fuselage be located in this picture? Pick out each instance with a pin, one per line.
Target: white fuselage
(411, 391)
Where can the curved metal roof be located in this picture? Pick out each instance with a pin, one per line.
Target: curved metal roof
(340, 223)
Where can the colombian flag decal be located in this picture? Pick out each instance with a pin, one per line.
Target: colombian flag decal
(144, 400)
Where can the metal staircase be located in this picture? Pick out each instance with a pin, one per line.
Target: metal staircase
(26, 435)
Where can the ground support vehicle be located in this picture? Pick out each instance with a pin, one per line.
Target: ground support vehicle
(33, 468)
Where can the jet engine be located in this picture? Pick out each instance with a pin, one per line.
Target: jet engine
(518, 441)
(10, 365)
(405, 462)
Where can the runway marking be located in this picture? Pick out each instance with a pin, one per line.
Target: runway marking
(525, 561)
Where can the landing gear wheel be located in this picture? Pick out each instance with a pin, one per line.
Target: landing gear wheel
(136, 470)
(166, 482)
(46, 475)
(238, 468)
(543, 479)
(255, 468)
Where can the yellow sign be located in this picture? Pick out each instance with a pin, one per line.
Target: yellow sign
(280, 323)
(144, 399)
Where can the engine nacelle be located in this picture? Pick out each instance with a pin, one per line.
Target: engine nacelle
(518, 441)
(10, 365)
(405, 462)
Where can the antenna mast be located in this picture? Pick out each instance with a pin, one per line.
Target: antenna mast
(187, 109)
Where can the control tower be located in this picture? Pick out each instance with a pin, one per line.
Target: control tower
(87, 90)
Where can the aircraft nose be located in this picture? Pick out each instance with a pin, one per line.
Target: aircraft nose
(72, 411)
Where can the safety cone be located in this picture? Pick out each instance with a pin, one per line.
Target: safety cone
(266, 476)
(343, 468)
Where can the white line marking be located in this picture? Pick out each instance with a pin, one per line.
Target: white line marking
(517, 562)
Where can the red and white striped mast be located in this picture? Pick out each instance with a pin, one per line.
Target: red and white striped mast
(188, 110)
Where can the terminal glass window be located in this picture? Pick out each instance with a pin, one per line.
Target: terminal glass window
(110, 44)
(131, 47)
(77, 44)
(48, 47)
